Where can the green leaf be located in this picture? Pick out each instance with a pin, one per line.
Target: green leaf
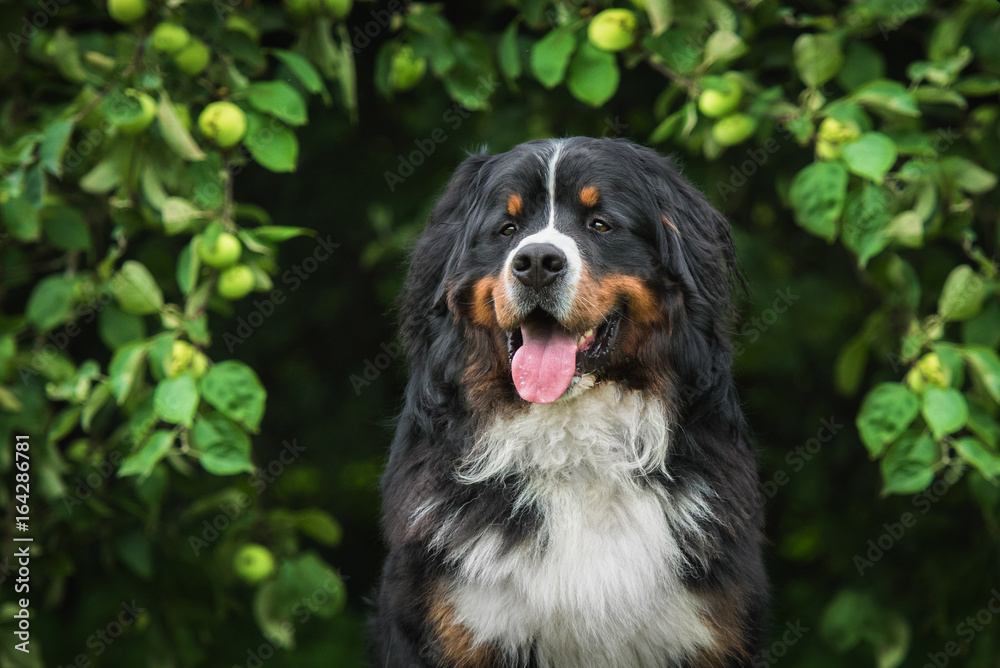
(861, 65)
(234, 389)
(509, 52)
(871, 156)
(473, 79)
(144, 459)
(188, 266)
(967, 175)
(593, 75)
(133, 550)
(884, 95)
(886, 412)
(178, 214)
(849, 369)
(846, 619)
(302, 69)
(51, 302)
(172, 129)
(818, 58)
(319, 525)
(866, 223)
(176, 399)
(661, 14)
(65, 228)
(116, 328)
(303, 584)
(550, 56)
(817, 197)
(278, 99)
(136, 289)
(51, 150)
(972, 451)
(95, 402)
(271, 144)
(224, 448)
(893, 640)
(962, 294)
(985, 363)
(277, 233)
(945, 410)
(20, 216)
(908, 465)
(724, 46)
(126, 368)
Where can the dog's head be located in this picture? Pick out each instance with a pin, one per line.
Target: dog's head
(562, 263)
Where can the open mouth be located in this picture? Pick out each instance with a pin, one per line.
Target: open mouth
(545, 357)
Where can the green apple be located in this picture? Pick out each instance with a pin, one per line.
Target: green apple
(253, 563)
(612, 30)
(721, 96)
(199, 364)
(179, 360)
(127, 11)
(915, 380)
(146, 115)
(193, 58)
(169, 37)
(336, 9)
(734, 129)
(224, 123)
(406, 69)
(837, 131)
(827, 149)
(299, 10)
(934, 371)
(236, 282)
(225, 252)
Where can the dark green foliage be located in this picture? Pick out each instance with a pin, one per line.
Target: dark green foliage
(860, 178)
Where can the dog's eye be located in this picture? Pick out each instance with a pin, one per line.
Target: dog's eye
(508, 229)
(599, 225)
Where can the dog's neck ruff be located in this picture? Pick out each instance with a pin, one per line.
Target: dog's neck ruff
(599, 585)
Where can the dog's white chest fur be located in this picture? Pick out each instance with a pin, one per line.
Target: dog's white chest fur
(599, 585)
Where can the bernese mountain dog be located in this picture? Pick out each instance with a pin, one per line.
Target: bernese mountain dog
(571, 483)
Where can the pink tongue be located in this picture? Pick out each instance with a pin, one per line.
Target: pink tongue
(544, 365)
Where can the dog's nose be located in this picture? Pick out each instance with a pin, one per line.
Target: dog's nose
(538, 265)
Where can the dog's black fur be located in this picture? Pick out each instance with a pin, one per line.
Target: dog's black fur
(659, 261)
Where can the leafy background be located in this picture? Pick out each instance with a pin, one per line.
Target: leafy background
(858, 168)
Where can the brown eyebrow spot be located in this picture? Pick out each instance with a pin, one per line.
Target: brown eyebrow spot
(514, 205)
(589, 196)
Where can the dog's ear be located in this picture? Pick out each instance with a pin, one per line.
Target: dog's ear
(439, 249)
(696, 251)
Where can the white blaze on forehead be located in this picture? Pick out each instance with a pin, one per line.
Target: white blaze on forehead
(553, 163)
(550, 235)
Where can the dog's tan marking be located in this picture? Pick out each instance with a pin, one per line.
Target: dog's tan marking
(456, 642)
(482, 302)
(514, 205)
(666, 221)
(596, 299)
(590, 197)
